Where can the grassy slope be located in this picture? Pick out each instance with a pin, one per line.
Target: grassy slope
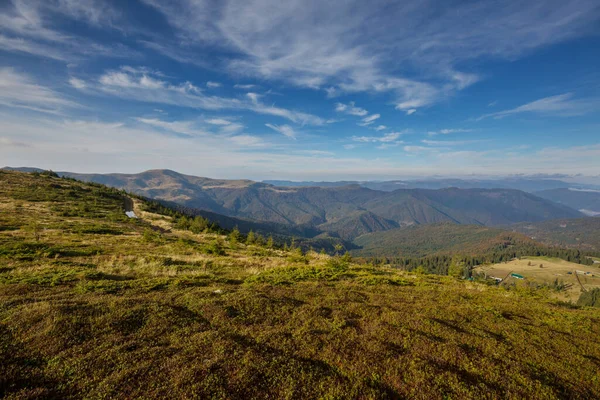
(102, 306)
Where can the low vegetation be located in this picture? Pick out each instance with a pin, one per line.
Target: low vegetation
(97, 305)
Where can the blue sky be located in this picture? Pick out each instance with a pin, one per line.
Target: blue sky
(267, 89)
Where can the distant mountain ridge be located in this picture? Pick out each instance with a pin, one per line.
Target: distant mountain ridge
(525, 184)
(345, 212)
(586, 201)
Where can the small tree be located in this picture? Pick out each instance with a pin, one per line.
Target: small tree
(338, 248)
(457, 267)
(35, 229)
(420, 270)
(258, 239)
(234, 236)
(250, 238)
(270, 242)
(198, 225)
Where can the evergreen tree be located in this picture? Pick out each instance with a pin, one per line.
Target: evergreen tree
(457, 267)
(250, 239)
(234, 236)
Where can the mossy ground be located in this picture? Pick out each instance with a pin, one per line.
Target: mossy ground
(96, 305)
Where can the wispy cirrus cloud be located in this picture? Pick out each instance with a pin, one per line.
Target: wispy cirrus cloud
(285, 130)
(248, 86)
(369, 120)
(450, 142)
(352, 46)
(21, 91)
(145, 85)
(28, 26)
(185, 128)
(562, 105)
(391, 137)
(448, 131)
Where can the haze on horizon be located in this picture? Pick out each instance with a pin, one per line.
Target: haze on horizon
(302, 90)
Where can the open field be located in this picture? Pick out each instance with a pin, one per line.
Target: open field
(548, 270)
(97, 305)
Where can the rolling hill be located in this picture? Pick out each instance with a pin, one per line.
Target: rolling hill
(94, 304)
(343, 211)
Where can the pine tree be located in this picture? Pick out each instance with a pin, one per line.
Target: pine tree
(270, 242)
(250, 239)
(456, 267)
(234, 236)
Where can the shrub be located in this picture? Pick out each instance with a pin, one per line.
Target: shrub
(590, 299)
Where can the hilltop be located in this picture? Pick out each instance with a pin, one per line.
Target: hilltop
(96, 304)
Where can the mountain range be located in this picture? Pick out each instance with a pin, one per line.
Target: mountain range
(525, 184)
(347, 211)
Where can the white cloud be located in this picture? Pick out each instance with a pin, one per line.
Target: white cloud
(248, 141)
(19, 90)
(387, 138)
(449, 142)
(144, 85)
(355, 45)
(448, 131)
(244, 87)
(350, 109)
(29, 27)
(284, 130)
(181, 127)
(231, 128)
(369, 120)
(380, 128)
(410, 111)
(66, 144)
(317, 152)
(416, 149)
(212, 85)
(562, 105)
(77, 83)
(218, 121)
